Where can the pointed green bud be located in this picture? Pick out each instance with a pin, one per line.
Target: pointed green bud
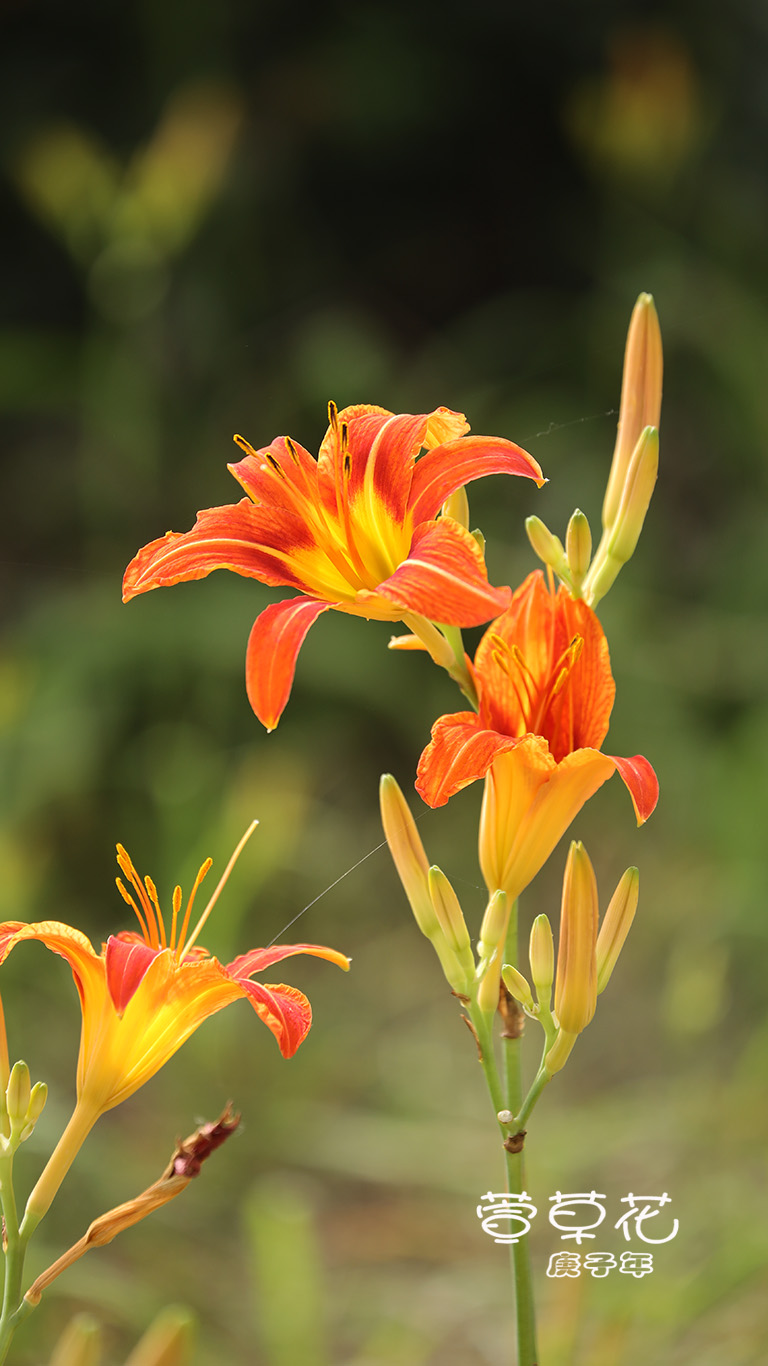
(548, 547)
(518, 987)
(454, 947)
(479, 538)
(17, 1094)
(578, 547)
(494, 924)
(541, 952)
(456, 506)
(618, 544)
(615, 926)
(408, 854)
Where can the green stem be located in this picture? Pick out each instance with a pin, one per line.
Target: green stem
(12, 1308)
(520, 1251)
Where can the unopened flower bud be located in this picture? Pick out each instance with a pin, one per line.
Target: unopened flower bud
(640, 397)
(619, 542)
(80, 1344)
(576, 983)
(456, 506)
(494, 924)
(18, 1094)
(560, 1051)
(408, 854)
(548, 547)
(615, 926)
(455, 950)
(517, 986)
(541, 952)
(578, 547)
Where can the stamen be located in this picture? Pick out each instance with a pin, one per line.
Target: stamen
(276, 466)
(218, 890)
(333, 414)
(293, 452)
(202, 872)
(130, 901)
(559, 675)
(125, 864)
(175, 916)
(152, 893)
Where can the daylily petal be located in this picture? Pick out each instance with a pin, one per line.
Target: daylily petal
(68, 943)
(538, 824)
(276, 637)
(254, 541)
(461, 750)
(455, 463)
(258, 959)
(444, 577)
(641, 782)
(527, 682)
(284, 1010)
(126, 960)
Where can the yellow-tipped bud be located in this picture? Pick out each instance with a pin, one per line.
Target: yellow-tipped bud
(541, 951)
(615, 926)
(457, 507)
(640, 397)
(408, 853)
(518, 987)
(560, 1051)
(455, 950)
(479, 539)
(18, 1094)
(548, 547)
(578, 547)
(576, 982)
(494, 924)
(619, 542)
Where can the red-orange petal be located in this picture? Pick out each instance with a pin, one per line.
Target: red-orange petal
(444, 578)
(284, 1010)
(127, 959)
(276, 637)
(641, 783)
(461, 751)
(258, 959)
(448, 467)
(256, 542)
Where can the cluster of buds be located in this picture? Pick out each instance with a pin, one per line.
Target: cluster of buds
(586, 957)
(432, 899)
(21, 1105)
(632, 477)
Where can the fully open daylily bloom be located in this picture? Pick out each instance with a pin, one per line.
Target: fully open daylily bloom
(546, 691)
(356, 529)
(144, 994)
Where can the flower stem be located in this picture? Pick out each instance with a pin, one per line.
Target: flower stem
(520, 1251)
(12, 1308)
(80, 1124)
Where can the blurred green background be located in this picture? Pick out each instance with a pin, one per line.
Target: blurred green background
(216, 216)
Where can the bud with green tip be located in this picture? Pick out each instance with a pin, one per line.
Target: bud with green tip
(454, 948)
(490, 947)
(17, 1094)
(578, 547)
(548, 547)
(518, 987)
(541, 951)
(576, 983)
(615, 926)
(619, 541)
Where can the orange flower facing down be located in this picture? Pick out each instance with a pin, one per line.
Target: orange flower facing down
(356, 529)
(144, 994)
(546, 692)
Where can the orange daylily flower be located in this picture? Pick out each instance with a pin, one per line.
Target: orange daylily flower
(355, 529)
(546, 691)
(144, 994)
